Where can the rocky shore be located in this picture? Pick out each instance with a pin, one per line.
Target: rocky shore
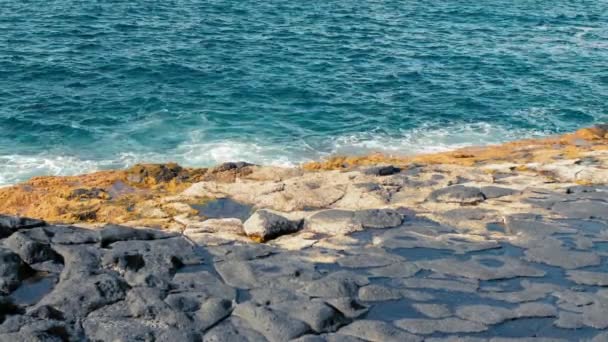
(494, 243)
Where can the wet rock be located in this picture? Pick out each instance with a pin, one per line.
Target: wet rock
(275, 326)
(12, 270)
(266, 224)
(30, 250)
(379, 331)
(457, 194)
(10, 224)
(449, 325)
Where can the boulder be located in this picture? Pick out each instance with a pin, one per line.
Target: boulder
(10, 224)
(30, 250)
(266, 224)
(12, 270)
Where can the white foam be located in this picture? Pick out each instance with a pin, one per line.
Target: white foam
(197, 152)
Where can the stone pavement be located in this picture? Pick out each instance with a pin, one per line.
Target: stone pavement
(383, 274)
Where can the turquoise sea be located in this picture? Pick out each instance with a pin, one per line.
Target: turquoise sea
(88, 85)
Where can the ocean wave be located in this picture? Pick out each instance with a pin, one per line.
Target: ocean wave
(17, 168)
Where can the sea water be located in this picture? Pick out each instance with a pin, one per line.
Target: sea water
(89, 85)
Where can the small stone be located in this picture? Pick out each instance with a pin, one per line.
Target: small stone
(266, 224)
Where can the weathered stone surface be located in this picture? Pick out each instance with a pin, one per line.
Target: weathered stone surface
(12, 270)
(497, 192)
(502, 268)
(371, 293)
(445, 325)
(77, 296)
(318, 315)
(382, 170)
(556, 256)
(337, 221)
(266, 224)
(457, 194)
(493, 314)
(233, 329)
(333, 222)
(10, 224)
(379, 331)
(113, 233)
(433, 310)
(226, 225)
(588, 278)
(275, 326)
(584, 209)
(30, 250)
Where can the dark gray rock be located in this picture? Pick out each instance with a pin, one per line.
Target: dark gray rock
(10, 224)
(266, 224)
(79, 295)
(457, 194)
(12, 270)
(68, 235)
(317, 314)
(275, 326)
(212, 311)
(30, 250)
(497, 191)
(385, 170)
(113, 233)
(233, 329)
(7, 307)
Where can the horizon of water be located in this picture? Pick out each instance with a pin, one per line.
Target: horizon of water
(86, 86)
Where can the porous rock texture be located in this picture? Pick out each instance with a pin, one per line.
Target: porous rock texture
(461, 246)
